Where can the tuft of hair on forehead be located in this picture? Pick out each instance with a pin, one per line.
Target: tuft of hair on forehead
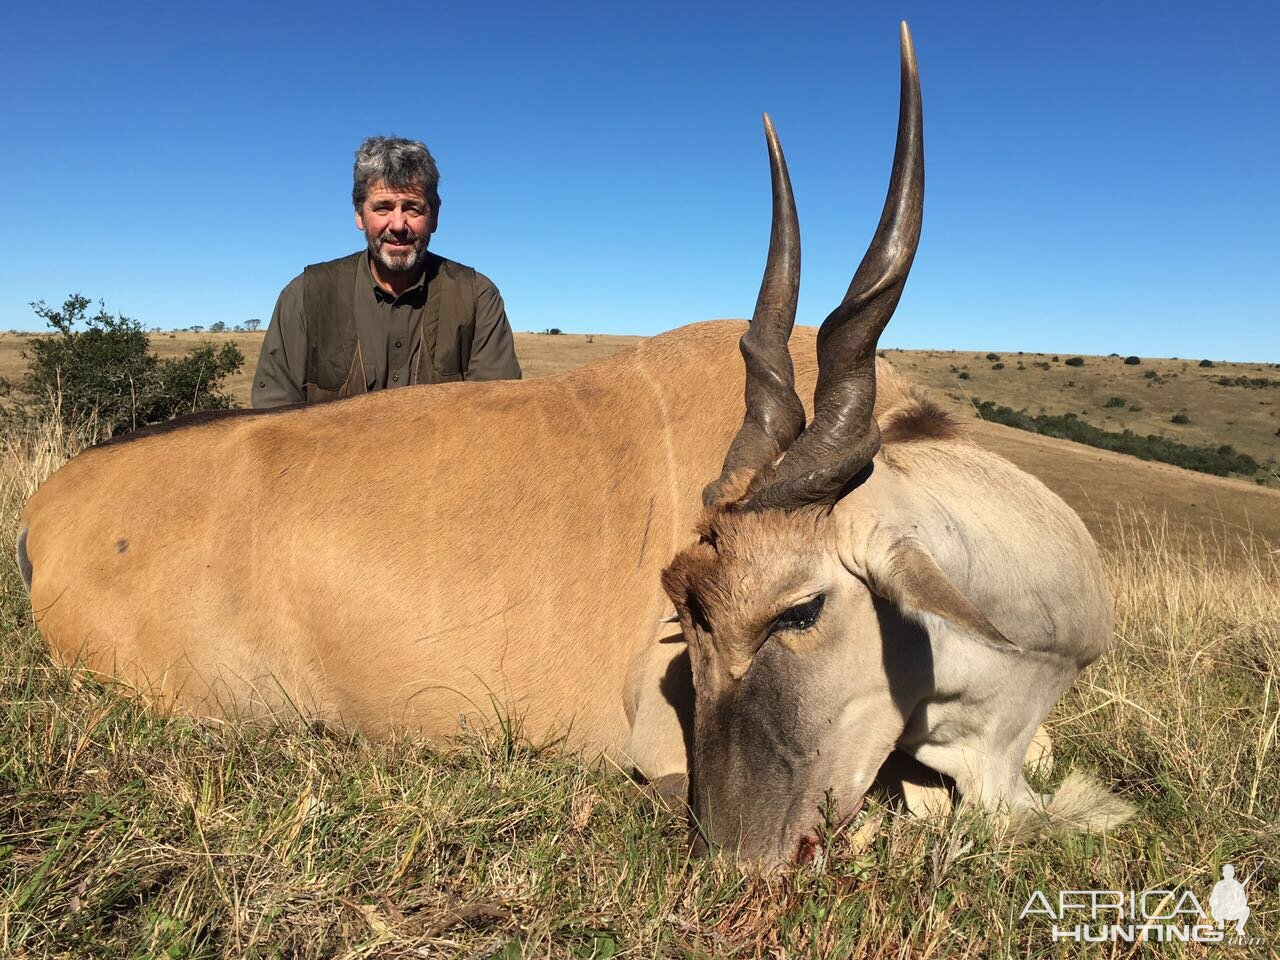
(398, 163)
(917, 416)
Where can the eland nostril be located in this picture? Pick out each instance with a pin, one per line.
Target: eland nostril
(806, 849)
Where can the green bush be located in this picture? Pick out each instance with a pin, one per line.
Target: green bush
(1221, 461)
(1206, 363)
(107, 369)
(1253, 383)
(1132, 361)
(1074, 361)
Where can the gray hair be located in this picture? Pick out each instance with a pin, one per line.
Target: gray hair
(398, 163)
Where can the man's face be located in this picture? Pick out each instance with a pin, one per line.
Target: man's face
(398, 223)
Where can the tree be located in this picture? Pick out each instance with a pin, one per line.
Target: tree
(217, 327)
(252, 325)
(107, 369)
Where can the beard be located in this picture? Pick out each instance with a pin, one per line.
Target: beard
(398, 261)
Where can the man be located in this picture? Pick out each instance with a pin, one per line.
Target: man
(391, 315)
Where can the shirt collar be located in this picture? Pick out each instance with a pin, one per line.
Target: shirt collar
(414, 292)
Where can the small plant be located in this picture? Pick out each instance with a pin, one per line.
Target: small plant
(1042, 364)
(107, 371)
(997, 366)
(1135, 408)
(1206, 363)
(1114, 402)
(993, 356)
(1132, 361)
(1180, 418)
(964, 374)
(1150, 375)
(1074, 361)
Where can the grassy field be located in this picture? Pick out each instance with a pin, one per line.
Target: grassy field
(1108, 393)
(124, 834)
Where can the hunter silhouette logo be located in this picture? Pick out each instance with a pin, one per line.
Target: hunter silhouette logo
(1228, 901)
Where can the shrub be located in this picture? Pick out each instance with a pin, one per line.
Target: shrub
(1115, 402)
(1135, 408)
(997, 366)
(993, 356)
(1206, 363)
(1180, 418)
(1254, 383)
(1132, 361)
(1220, 461)
(1074, 361)
(1151, 375)
(964, 374)
(108, 368)
(1042, 364)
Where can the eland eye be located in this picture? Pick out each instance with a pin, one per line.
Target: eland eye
(800, 617)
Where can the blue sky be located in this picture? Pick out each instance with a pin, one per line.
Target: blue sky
(1100, 177)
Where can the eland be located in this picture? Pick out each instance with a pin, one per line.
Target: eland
(870, 581)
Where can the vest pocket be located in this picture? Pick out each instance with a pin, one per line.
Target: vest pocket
(318, 394)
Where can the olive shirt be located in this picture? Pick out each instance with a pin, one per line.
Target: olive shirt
(390, 340)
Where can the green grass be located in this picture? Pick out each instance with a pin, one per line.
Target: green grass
(127, 834)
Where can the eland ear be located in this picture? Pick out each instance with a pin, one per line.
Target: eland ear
(900, 569)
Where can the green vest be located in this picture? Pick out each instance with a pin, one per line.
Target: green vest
(334, 367)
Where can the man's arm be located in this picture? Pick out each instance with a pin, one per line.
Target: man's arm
(283, 360)
(493, 350)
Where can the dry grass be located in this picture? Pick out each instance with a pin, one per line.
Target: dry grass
(124, 834)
